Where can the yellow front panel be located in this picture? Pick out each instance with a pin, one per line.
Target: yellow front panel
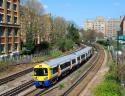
(43, 78)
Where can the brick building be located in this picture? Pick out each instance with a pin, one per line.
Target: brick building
(9, 26)
(122, 25)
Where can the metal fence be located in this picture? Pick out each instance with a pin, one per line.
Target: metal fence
(23, 59)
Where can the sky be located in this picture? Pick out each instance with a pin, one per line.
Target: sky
(80, 10)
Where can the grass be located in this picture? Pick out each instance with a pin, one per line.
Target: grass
(61, 86)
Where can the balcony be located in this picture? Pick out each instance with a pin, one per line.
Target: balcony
(9, 25)
(15, 1)
(8, 12)
(2, 40)
(15, 13)
(16, 39)
(9, 40)
(1, 10)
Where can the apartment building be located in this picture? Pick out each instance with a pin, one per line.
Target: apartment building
(122, 25)
(106, 26)
(99, 24)
(9, 26)
(112, 26)
(89, 25)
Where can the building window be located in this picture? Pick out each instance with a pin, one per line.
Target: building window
(1, 18)
(1, 47)
(9, 47)
(8, 5)
(9, 31)
(15, 32)
(8, 19)
(1, 31)
(14, 7)
(15, 46)
(15, 20)
(1, 3)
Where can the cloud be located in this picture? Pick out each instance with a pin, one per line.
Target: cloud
(116, 4)
(45, 6)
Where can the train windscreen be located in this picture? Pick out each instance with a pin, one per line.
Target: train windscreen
(40, 72)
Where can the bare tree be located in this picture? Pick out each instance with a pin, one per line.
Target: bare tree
(35, 6)
(32, 12)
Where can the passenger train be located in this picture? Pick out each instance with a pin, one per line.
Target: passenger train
(49, 72)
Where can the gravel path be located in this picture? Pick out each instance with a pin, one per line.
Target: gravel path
(97, 79)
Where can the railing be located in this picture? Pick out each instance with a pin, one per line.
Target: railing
(24, 59)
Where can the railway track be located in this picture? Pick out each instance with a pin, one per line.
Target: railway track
(20, 88)
(25, 86)
(37, 92)
(82, 82)
(21, 73)
(16, 90)
(14, 76)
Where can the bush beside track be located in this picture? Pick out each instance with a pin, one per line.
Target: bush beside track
(110, 86)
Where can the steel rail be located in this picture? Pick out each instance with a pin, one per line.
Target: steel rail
(99, 59)
(14, 76)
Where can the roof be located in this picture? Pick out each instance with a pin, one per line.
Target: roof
(60, 60)
(63, 59)
(85, 50)
(121, 37)
(42, 66)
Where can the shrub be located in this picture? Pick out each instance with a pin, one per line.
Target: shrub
(25, 52)
(55, 54)
(44, 45)
(61, 86)
(108, 88)
(65, 44)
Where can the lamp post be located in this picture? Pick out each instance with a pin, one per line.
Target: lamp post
(118, 30)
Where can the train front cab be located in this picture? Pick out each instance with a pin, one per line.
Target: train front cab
(42, 75)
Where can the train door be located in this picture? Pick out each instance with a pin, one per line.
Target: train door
(59, 70)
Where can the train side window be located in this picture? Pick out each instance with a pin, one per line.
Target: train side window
(54, 70)
(73, 61)
(63, 66)
(83, 56)
(78, 58)
(86, 54)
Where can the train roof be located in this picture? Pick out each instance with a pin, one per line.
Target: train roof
(60, 60)
(63, 59)
(85, 50)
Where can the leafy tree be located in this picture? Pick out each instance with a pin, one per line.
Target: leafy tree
(45, 45)
(69, 44)
(30, 45)
(73, 33)
(65, 44)
(100, 35)
(90, 35)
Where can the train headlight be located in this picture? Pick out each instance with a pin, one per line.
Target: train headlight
(36, 78)
(45, 78)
